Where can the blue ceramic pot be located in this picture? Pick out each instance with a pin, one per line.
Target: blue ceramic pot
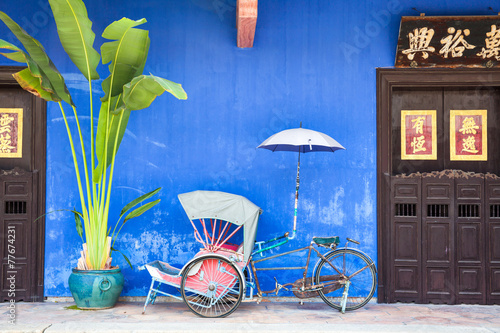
(96, 289)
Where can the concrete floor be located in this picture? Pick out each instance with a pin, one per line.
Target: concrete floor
(252, 317)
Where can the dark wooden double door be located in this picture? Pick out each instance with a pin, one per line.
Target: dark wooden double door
(446, 227)
(22, 198)
(439, 218)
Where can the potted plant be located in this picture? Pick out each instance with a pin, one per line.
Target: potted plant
(126, 89)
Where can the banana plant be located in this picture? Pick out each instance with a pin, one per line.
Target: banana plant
(126, 89)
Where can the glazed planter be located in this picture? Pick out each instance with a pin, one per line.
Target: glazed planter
(96, 289)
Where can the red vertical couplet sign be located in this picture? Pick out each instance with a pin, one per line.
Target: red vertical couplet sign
(468, 135)
(418, 135)
(11, 133)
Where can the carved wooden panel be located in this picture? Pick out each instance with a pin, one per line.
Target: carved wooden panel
(437, 285)
(406, 281)
(470, 284)
(438, 243)
(22, 193)
(406, 242)
(470, 249)
(446, 238)
(492, 238)
(493, 286)
(406, 254)
(438, 237)
(16, 220)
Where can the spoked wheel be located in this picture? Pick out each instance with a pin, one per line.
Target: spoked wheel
(350, 266)
(211, 287)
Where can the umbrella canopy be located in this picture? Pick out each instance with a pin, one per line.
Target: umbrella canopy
(300, 140)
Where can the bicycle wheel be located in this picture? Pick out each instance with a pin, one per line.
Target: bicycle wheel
(211, 287)
(350, 266)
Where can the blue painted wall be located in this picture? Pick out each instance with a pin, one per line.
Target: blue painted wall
(313, 61)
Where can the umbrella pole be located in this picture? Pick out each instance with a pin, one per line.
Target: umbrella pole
(296, 201)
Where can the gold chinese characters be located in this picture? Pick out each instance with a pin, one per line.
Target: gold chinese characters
(468, 135)
(418, 135)
(11, 126)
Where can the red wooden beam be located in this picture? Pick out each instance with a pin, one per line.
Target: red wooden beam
(246, 20)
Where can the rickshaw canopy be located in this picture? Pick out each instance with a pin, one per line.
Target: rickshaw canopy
(224, 206)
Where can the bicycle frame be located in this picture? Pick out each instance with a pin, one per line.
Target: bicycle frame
(313, 287)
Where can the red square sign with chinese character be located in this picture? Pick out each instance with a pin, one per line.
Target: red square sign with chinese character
(468, 135)
(11, 133)
(418, 135)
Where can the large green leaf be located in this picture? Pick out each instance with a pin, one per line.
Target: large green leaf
(127, 54)
(113, 128)
(138, 201)
(78, 223)
(124, 256)
(140, 210)
(76, 35)
(31, 79)
(32, 84)
(37, 53)
(142, 90)
(16, 53)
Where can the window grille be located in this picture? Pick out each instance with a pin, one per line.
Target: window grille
(468, 210)
(15, 207)
(495, 211)
(406, 209)
(437, 210)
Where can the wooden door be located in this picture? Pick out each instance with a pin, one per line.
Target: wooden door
(406, 226)
(16, 219)
(443, 224)
(492, 239)
(448, 249)
(438, 238)
(22, 191)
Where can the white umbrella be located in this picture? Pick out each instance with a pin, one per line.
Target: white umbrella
(300, 140)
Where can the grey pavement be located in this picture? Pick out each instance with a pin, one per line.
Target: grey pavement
(252, 317)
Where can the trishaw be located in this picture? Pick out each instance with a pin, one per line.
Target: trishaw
(224, 271)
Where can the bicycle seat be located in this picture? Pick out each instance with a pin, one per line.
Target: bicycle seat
(328, 242)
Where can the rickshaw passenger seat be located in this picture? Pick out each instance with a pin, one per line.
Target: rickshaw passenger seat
(231, 247)
(328, 242)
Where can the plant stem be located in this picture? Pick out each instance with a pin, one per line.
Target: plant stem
(85, 168)
(113, 156)
(78, 178)
(92, 148)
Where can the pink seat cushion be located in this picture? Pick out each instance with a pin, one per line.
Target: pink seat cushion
(231, 247)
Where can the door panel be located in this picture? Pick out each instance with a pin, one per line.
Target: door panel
(459, 260)
(406, 256)
(438, 238)
(492, 238)
(415, 99)
(438, 243)
(470, 249)
(478, 98)
(437, 285)
(22, 197)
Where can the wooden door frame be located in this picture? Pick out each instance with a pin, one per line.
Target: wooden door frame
(387, 80)
(38, 157)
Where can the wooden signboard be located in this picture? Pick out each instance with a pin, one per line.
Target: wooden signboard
(449, 41)
(11, 133)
